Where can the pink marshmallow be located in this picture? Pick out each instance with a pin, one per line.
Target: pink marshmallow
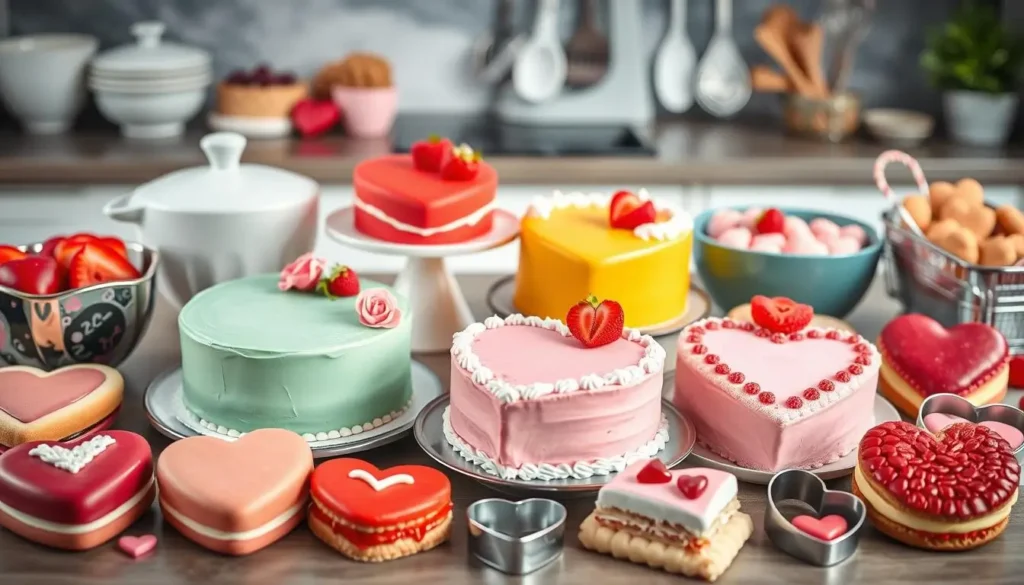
(795, 227)
(843, 245)
(750, 217)
(737, 237)
(824, 229)
(723, 220)
(808, 246)
(770, 240)
(855, 232)
(826, 237)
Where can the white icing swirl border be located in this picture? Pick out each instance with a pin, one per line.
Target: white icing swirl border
(679, 224)
(652, 362)
(548, 471)
(468, 220)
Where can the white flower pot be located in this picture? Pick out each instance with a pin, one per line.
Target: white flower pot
(978, 118)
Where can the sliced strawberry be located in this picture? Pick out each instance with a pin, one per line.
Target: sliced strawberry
(596, 323)
(771, 221)
(429, 155)
(34, 275)
(66, 249)
(50, 245)
(96, 263)
(8, 253)
(115, 244)
(461, 163)
(780, 314)
(341, 282)
(627, 211)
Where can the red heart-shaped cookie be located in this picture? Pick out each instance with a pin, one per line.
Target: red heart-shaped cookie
(358, 501)
(964, 471)
(935, 360)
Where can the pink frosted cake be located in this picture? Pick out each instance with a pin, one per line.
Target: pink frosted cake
(770, 400)
(530, 401)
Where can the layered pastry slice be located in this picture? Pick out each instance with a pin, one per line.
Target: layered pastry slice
(686, 521)
(625, 247)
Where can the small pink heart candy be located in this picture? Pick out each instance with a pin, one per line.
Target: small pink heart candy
(750, 217)
(828, 528)
(806, 245)
(136, 546)
(737, 237)
(824, 229)
(793, 226)
(843, 245)
(723, 220)
(855, 232)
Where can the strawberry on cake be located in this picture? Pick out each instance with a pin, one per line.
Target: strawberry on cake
(438, 194)
(776, 394)
(521, 385)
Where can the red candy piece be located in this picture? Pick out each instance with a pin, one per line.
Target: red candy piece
(779, 314)
(766, 398)
(969, 353)
(794, 402)
(828, 528)
(722, 369)
(692, 486)
(843, 376)
(826, 386)
(811, 394)
(711, 359)
(751, 388)
(737, 377)
(654, 472)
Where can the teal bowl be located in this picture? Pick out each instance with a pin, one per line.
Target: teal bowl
(833, 285)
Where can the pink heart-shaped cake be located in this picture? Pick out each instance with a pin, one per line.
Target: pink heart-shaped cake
(770, 400)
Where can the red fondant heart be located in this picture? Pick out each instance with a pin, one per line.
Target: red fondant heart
(357, 501)
(654, 472)
(935, 360)
(964, 471)
(692, 486)
(829, 528)
(314, 117)
(136, 546)
(29, 394)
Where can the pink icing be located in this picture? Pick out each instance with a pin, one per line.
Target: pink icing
(377, 307)
(937, 421)
(302, 274)
(28, 397)
(722, 220)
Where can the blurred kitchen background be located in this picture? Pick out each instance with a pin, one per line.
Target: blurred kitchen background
(710, 146)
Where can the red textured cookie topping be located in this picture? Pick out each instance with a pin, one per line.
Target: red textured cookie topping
(654, 472)
(779, 314)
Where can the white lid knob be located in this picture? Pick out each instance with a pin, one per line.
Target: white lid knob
(147, 34)
(223, 150)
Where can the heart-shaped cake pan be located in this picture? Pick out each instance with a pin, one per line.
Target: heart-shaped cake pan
(516, 537)
(951, 404)
(804, 486)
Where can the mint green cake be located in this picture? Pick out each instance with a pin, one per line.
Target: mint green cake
(255, 357)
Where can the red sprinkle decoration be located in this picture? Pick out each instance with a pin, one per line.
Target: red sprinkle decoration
(751, 387)
(855, 369)
(796, 336)
(766, 398)
(811, 394)
(863, 360)
(722, 369)
(697, 330)
(853, 338)
(778, 338)
(826, 386)
(861, 348)
(762, 333)
(711, 325)
(711, 359)
(737, 377)
(794, 402)
(699, 349)
(833, 334)
(814, 334)
(843, 376)
(654, 472)
(695, 339)
(728, 324)
(747, 326)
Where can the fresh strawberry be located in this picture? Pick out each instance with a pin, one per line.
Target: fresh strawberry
(460, 163)
(66, 249)
(313, 117)
(341, 282)
(1017, 372)
(771, 221)
(34, 275)
(627, 211)
(50, 245)
(8, 253)
(780, 314)
(96, 263)
(428, 155)
(596, 323)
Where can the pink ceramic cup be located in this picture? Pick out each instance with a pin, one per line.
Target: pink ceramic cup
(367, 112)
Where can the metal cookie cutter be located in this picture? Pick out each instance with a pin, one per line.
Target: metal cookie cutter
(797, 484)
(951, 404)
(516, 537)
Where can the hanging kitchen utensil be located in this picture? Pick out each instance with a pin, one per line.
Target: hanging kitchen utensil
(723, 79)
(538, 74)
(494, 51)
(587, 51)
(675, 62)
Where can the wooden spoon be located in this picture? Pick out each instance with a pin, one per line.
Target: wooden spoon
(764, 79)
(770, 37)
(806, 42)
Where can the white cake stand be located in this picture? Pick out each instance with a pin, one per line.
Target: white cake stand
(438, 305)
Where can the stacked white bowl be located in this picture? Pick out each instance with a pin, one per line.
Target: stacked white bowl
(151, 88)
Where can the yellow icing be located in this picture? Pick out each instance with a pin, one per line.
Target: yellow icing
(926, 524)
(575, 252)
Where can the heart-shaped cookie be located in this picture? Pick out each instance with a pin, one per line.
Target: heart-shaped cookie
(136, 546)
(813, 538)
(531, 530)
(48, 406)
(952, 237)
(981, 220)
(236, 497)
(942, 410)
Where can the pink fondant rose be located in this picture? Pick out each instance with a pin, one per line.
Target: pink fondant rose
(303, 274)
(378, 308)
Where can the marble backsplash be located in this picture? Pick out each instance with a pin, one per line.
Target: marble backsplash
(429, 41)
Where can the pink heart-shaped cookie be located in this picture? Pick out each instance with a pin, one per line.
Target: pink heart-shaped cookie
(828, 528)
(136, 546)
(28, 394)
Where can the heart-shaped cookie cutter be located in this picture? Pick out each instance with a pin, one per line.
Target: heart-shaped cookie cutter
(804, 486)
(516, 537)
(961, 407)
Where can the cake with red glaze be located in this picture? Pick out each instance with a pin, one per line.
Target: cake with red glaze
(776, 394)
(950, 491)
(521, 385)
(437, 194)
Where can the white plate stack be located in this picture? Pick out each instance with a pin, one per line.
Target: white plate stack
(151, 88)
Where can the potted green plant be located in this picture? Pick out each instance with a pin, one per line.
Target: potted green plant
(977, 65)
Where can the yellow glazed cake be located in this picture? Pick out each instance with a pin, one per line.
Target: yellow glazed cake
(569, 249)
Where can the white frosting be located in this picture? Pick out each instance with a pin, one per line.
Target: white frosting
(697, 519)
(380, 485)
(778, 411)
(76, 458)
(213, 533)
(471, 219)
(679, 224)
(652, 361)
(73, 529)
(547, 471)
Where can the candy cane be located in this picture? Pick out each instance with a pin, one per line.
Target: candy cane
(891, 156)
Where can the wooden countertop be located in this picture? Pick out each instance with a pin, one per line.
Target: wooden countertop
(689, 152)
(300, 559)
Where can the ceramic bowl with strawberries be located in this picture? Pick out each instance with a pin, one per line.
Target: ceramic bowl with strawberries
(74, 299)
(816, 258)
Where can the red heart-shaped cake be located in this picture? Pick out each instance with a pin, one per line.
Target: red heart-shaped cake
(922, 358)
(951, 490)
